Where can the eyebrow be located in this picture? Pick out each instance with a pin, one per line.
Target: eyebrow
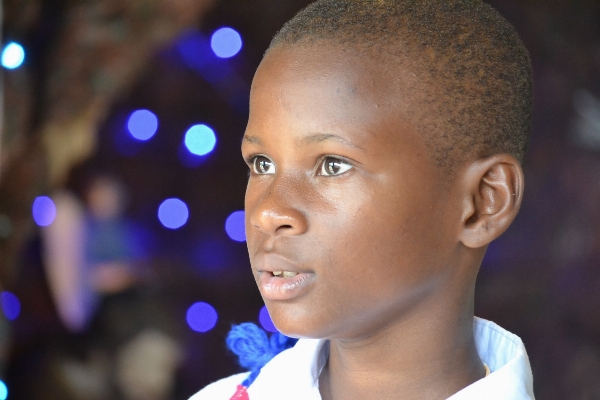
(322, 137)
(316, 138)
(251, 139)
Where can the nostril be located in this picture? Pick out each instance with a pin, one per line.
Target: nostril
(286, 227)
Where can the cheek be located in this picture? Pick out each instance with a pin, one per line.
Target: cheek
(385, 233)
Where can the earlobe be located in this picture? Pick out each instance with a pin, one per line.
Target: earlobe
(493, 190)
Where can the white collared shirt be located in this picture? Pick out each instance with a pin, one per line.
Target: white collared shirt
(294, 373)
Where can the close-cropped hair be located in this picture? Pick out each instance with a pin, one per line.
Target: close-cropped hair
(474, 92)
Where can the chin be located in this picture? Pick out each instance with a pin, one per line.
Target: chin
(297, 327)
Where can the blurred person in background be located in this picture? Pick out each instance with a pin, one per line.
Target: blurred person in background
(96, 268)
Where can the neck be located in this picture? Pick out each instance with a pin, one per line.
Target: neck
(419, 358)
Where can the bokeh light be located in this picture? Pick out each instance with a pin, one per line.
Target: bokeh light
(3, 391)
(226, 42)
(234, 226)
(265, 320)
(173, 213)
(142, 124)
(11, 306)
(201, 317)
(43, 210)
(200, 139)
(13, 55)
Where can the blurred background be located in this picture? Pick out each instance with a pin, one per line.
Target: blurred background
(122, 254)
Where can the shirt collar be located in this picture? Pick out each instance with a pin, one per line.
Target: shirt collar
(504, 353)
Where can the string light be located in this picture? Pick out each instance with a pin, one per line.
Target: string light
(3, 391)
(265, 320)
(201, 317)
(200, 139)
(11, 306)
(226, 42)
(43, 211)
(13, 55)
(173, 213)
(142, 124)
(235, 226)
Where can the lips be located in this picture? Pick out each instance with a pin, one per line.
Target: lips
(280, 279)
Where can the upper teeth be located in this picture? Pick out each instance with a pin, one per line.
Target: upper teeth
(286, 274)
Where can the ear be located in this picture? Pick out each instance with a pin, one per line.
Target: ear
(493, 191)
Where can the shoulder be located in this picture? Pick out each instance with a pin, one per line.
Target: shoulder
(222, 389)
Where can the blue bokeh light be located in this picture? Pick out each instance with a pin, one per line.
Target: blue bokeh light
(235, 226)
(13, 55)
(201, 317)
(200, 139)
(226, 42)
(11, 306)
(43, 210)
(142, 124)
(265, 320)
(3, 391)
(173, 213)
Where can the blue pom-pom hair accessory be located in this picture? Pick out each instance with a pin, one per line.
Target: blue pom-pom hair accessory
(255, 349)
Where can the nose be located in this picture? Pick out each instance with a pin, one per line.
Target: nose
(276, 209)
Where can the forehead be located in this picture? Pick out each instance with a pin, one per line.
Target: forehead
(327, 66)
(331, 83)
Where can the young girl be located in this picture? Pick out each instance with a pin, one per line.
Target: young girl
(384, 144)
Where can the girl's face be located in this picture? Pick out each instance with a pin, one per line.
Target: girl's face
(349, 223)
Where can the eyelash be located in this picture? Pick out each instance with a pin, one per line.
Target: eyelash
(345, 165)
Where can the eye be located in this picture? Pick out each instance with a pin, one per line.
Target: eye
(333, 166)
(261, 165)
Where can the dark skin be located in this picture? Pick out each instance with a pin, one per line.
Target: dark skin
(380, 248)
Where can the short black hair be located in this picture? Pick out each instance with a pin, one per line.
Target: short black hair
(475, 99)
